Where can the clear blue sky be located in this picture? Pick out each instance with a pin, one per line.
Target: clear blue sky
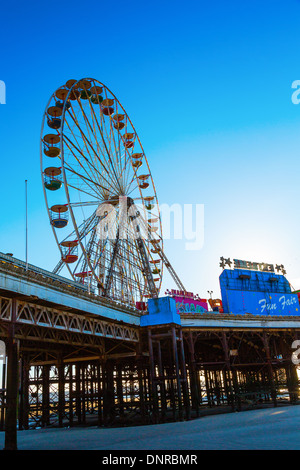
(208, 88)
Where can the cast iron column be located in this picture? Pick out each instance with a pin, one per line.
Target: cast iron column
(12, 383)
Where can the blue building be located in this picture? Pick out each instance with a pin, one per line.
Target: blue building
(246, 291)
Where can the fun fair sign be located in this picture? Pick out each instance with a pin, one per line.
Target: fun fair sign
(262, 303)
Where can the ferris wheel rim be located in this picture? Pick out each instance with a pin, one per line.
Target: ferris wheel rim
(65, 179)
(73, 87)
(42, 173)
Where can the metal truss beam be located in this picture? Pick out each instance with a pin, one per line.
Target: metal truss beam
(37, 316)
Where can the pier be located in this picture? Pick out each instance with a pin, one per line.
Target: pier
(76, 359)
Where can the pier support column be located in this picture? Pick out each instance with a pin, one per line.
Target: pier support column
(266, 343)
(231, 375)
(46, 395)
(12, 349)
(24, 394)
(61, 392)
(166, 353)
(119, 379)
(193, 374)
(78, 392)
(152, 384)
(71, 395)
(83, 392)
(139, 366)
(183, 378)
(109, 395)
(2, 394)
(100, 386)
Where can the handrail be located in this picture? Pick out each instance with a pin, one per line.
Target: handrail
(36, 269)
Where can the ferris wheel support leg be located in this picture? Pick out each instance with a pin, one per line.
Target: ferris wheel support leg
(109, 276)
(147, 268)
(163, 257)
(58, 267)
(144, 256)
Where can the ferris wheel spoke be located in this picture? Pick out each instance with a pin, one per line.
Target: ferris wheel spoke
(111, 162)
(82, 191)
(67, 140)
(99, 147)
(89, 164)
(117, 147)
(94, 134)
(95, 121)
(84, 203)
(127, 167)
(107, 152)
(82, 133)
(87, 122)
(87, 181)
(76, 158)
(90, 128)
(85, 141)
(132, 190)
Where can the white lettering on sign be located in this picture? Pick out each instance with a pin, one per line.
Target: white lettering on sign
(290, 301)
(273, 306)
(264, 306)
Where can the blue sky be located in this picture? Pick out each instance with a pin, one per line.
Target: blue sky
(207, 86)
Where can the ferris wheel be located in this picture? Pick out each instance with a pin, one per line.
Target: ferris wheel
(100, 195)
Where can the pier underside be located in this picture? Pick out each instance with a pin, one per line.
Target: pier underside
(112, 374)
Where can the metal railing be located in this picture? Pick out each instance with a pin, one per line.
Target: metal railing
(30, 267)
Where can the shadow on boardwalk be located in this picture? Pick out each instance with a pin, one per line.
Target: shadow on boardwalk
(272, 428)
